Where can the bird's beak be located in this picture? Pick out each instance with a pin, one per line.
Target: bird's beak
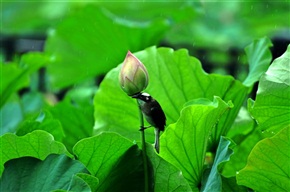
(136, 96)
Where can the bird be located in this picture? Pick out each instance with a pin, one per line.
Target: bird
(153, 114)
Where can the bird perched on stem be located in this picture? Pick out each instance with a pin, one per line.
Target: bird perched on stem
(153, 114)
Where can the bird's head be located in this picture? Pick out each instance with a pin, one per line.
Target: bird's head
(143, 98)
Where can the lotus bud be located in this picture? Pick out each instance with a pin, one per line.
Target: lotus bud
(133, 76)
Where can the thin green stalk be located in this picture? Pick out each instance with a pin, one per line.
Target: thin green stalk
(143, 143)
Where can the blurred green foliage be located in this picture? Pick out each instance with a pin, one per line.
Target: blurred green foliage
(203, 24)
(85, 40)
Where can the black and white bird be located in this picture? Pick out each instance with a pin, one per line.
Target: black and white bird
(153, 114)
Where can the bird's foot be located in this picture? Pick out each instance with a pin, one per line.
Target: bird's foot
(143, 128)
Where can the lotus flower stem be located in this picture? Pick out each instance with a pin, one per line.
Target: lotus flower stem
(144, 154)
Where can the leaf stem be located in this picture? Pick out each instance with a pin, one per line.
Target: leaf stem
(143, 143)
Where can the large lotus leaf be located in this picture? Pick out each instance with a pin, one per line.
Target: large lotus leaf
(77, 121)
(31, 174)
(100, 153)
(241, 152)
(43, 121)
(166, 176)
(259, 58)
(38, 144)
(91, 180)
(184, 143)
(175, 78)
(271, 108)
(245, 135)
(230, 184)
(92, 41)
(242, 126)
(127, 174)
(267, 168)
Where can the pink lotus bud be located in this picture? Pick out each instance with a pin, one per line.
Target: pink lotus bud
(133, 76)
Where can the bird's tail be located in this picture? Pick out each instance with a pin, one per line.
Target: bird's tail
(157, 134)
